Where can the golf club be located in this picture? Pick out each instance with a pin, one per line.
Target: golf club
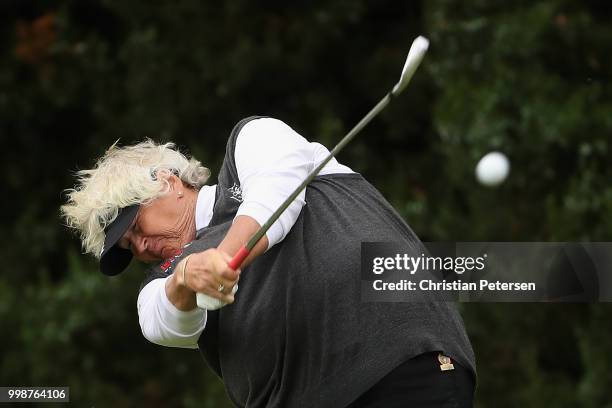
(415, 56)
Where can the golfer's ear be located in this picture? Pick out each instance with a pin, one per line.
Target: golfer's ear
(173, 181)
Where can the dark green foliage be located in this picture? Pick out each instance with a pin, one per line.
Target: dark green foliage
(531, 79)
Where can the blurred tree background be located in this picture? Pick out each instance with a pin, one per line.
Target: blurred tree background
(531, 79)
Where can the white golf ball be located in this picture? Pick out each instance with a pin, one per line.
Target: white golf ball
(492, 169)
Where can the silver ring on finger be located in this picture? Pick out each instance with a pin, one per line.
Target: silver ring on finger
(221, 287)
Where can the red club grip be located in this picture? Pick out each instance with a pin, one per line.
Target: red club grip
(239, 258)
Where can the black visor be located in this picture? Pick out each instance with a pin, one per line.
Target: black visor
(114, 259)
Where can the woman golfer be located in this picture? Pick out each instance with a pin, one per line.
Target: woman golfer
(295, 333)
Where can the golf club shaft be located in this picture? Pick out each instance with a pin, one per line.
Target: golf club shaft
(246, 249)
(415, 55)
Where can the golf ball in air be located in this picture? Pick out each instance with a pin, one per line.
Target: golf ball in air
(492, 169)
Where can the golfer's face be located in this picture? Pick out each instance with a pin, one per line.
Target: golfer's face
(159, 230)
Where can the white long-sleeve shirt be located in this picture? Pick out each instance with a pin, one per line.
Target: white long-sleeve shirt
(272, 160)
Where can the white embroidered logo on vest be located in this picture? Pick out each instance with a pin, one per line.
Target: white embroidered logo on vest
(236, 192)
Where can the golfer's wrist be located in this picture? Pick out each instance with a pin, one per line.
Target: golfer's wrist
(181, 296)
(181, 273)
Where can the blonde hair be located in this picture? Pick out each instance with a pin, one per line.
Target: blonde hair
(122, 177)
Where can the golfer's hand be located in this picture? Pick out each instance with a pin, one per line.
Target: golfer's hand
(208, 271)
